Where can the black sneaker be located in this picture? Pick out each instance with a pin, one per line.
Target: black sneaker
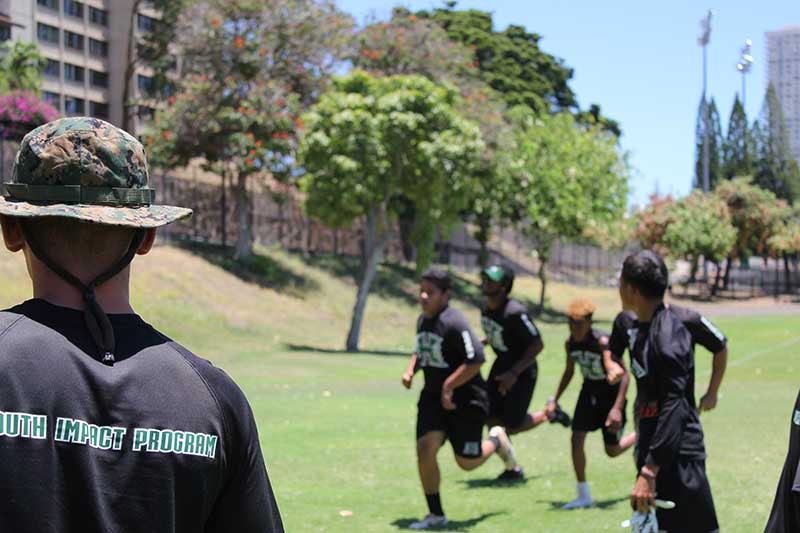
(516, 474)
(559, 416)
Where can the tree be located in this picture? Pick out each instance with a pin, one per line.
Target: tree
(714, 140)
(700, 226)
(568, 178)
(248, 71)
(21, 67)
(776, 169)
(652, 222)
(737, 149)
(372, 141)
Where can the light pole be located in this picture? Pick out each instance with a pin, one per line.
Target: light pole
(745, 60)
(703, 40)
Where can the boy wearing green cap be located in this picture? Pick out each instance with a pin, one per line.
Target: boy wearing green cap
(107, 424)
(516, 342)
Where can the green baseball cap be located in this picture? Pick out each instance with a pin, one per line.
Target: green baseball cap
(495, 273)
(87, 169)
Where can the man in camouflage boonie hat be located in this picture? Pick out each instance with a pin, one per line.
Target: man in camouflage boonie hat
(105, 423)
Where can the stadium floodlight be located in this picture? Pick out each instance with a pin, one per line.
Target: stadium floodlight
(745, 60)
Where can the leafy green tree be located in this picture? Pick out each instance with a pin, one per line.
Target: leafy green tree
(248, 70)
(372, 141)
(652, 222)
(21, 67)
(776, 169)
(568, 178)
(714, 140)
(737, 149)
(700, 226)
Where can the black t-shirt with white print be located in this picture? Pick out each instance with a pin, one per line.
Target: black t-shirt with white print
(162, 441)
(785, 514)
(662, 361)
(510, 332)
(702, 330)
(588, 356)
(444, 343)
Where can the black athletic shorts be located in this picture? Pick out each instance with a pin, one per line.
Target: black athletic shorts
(594, 403)
(512, 408)
(462, 427)
(685, 483)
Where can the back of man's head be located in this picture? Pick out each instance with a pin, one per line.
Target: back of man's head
(646, 271)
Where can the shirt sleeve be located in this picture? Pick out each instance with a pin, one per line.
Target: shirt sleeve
(673, 354)
(523, 329)
(705, 333)
(619, 335)
(246, 502)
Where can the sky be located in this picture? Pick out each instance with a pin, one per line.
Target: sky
(639, 59)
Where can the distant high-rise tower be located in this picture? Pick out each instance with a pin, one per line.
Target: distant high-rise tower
(783, 73)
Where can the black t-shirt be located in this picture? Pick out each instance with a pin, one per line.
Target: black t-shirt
(161, 441)
(785, 515)
(662, 362)
(444, 343)
(702, 331)
(510, 332)
(588, 356)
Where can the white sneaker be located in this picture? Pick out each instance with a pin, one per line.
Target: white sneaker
(579, 503)
(505, 451)
(431, 520)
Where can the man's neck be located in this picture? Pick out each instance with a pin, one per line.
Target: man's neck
(645, 309)
(496, 302)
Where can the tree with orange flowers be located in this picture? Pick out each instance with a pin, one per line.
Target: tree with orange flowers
(249, 68)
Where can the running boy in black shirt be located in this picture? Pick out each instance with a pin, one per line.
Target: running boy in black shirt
(670, 452)
(600, 404)
(453, 403)
(516, 341)
(785, 514)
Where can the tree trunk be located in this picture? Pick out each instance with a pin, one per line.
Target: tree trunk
(717, 279)
(483, 235)
(375, 239)
(244, 233)
(788, 281)
(130, 68)
(543, 280)
(727, 279)
(223, 210)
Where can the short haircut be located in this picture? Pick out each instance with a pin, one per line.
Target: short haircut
(440, 278)
(581, 309)
(75, 242)
(646, 271)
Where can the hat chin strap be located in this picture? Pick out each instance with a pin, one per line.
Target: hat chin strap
(96, 319)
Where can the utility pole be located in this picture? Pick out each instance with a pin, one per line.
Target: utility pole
(703, 40)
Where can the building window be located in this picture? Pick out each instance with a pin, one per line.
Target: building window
(73, 8)
(54, 99)
(146, 113)
(74, 106)
(98, 16)
(52, 68)
(73, 40)
(73, 73)
(50, 4)
(145, 85)
(99, 79)
(145, 23)
(5, 33)
(46, 33)
(98, 48)
(98, 110)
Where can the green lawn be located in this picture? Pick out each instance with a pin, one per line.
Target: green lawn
(338, 429)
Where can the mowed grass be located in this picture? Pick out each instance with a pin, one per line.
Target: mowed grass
(337, 429)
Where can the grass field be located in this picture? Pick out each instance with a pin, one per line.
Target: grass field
(337, 429)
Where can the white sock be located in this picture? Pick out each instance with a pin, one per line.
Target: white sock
(583, 490)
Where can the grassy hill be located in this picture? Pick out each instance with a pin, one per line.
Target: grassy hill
(338, 428)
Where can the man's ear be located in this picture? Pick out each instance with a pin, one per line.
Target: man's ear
(12, 234)
(147, 242)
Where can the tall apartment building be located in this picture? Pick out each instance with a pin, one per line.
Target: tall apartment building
(86, 46)
(783, 71)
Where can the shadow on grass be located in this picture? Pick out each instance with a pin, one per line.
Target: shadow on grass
(603, 504)
(262, 269)
(494, 483)
(335, 351)
(452, 525)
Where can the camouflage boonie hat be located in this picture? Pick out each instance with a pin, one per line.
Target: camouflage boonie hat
(87, 169)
